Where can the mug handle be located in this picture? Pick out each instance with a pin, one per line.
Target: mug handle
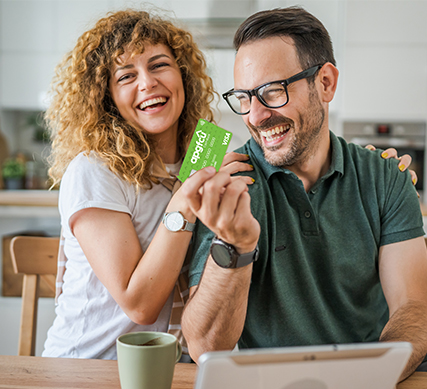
(178, 351)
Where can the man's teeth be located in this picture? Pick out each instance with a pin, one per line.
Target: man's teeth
(148, 103)
(275, 132)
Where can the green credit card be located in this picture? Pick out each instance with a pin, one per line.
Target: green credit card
(207, 148)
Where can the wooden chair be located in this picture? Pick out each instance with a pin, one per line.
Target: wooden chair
(36, 258)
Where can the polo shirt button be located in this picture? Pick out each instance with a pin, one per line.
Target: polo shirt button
(307, 214)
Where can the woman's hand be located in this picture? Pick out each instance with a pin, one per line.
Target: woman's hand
(179, 203)
(234, 163)
(405, 160)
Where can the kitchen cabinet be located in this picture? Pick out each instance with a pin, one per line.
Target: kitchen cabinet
(385, 60)
(27, 26)
(381, 85)
(397, 22)
(380, 47)
(25, 79)
(27, 42)
(34, 36)
(75, 17)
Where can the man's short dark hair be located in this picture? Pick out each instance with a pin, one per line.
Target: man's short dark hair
(312, 41)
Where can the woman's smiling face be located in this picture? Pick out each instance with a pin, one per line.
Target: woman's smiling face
(148, 91)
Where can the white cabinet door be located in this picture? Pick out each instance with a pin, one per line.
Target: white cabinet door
(74, 17)
(27, 26)
(25, 79)
(388, 22)
(35, 35)
(384, 72)
(385, 82)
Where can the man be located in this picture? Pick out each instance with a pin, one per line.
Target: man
(327, 245)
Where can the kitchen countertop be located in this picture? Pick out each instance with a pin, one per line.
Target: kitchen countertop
(29, 198)
(50, 198)
(24, 204)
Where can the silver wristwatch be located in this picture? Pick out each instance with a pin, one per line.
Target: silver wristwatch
(174, 221)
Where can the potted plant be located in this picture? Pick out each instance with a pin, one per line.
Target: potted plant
(13, 172)
(35, 121)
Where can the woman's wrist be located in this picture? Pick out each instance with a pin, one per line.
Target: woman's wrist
(183, 209)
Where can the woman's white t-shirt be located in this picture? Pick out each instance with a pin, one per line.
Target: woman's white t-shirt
(88, 319)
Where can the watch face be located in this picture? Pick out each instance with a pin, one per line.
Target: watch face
(221, 255)
(174, 221)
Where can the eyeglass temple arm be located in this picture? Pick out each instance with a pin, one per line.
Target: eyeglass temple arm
(304, 74)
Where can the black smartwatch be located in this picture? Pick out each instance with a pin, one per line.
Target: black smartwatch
(226, 256)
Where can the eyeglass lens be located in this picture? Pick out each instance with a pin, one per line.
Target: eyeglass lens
(273, 95)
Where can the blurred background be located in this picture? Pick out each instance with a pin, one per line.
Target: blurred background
(380, 48)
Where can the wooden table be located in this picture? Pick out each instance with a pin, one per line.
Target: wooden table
(62, 373)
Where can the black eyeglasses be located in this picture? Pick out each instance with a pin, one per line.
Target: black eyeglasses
(272, 94)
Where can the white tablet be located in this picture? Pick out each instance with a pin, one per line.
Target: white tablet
(346, 366)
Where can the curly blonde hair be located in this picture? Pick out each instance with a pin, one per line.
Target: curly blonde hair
(83, 117)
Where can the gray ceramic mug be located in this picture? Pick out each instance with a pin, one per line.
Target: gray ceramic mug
(147, 359)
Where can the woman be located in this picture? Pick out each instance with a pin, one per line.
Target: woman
(126, 102)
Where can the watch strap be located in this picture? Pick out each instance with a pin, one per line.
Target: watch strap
(188, 226)
(246, 259)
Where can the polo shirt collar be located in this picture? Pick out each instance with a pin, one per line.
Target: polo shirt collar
(337, 161)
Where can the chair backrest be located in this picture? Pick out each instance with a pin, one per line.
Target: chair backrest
(36, 258)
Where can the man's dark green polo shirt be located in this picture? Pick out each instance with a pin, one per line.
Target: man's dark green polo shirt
(316, 280)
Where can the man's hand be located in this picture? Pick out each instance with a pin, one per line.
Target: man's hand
(223, 205)
(215, 314)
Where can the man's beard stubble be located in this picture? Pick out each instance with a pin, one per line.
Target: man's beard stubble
(302, 143)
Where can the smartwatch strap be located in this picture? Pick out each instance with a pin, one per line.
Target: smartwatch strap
(246, 259)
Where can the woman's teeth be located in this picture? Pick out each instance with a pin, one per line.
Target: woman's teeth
(275, 133)
(149, 103)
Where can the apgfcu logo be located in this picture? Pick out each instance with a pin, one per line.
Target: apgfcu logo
(199, 146)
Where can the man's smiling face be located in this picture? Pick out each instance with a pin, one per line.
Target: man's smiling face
(288, 134)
